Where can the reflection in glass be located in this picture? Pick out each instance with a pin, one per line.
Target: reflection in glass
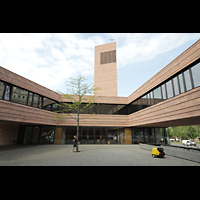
(137, 135)
(123, 109)
(19, 95)
(151, 93)
(35, 100)
(146, 135)
(2, 86)
(158, 135)
(157, 95)
(139, 103)
(84, 135)
(7, 93)
(40, 102)
(27, 135)
(106, 109)
(187, 80)
(148, 100)
(103, 135)
(30, 99)
(180, 77)
(97, 135)
(90, 135)
(47, 135)
(47, 103)
(176, 88)
(164, 96)
(169, 89)
(112, 136)
(35, 135)
(196, 74)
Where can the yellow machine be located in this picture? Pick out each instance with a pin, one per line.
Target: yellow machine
(157, 152)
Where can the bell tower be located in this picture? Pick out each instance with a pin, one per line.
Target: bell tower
(105, 69)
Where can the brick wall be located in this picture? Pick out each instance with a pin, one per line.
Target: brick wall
(8, 133)
(105, 75)
(179, 63)
(181, 110)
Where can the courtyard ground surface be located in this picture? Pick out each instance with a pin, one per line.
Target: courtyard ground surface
(89, 155)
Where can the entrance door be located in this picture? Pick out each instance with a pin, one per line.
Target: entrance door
(27, 135)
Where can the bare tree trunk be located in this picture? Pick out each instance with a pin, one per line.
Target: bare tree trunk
(77, 133)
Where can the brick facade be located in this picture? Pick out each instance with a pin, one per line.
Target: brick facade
(183, 109)
(8, 132)
(105, 74)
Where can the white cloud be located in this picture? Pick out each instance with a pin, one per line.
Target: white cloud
(138, 47)
(49, 59)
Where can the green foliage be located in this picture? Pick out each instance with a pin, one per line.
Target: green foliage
(185, 132)
(74, 98)
(76, 92)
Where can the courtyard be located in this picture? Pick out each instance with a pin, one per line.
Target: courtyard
(89, 155)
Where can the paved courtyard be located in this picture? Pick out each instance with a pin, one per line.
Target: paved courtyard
(90, 155)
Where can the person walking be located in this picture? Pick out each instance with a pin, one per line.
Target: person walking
(75, 140)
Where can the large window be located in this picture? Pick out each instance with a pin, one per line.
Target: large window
(35, 100)
(7, 93)
(19, 95)
(164, 96)
(106, 109)
(132, 107)
(157, 95)
(176, 86)
(47, 103)
(180, 76)
(187, 80)
(148, 99)
(144, 101)
(2, 86)
(169, 89)
(196, 74)
(30, 97)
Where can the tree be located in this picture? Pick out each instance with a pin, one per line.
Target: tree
(76, 94)
(184, 132)
(192, 132)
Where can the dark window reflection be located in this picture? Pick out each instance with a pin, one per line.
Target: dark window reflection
(47, 135)
(19, 95)
(35, 100)
(30, 99)
(7, 93)
(2, 86)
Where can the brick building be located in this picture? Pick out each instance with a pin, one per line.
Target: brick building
(169, 98)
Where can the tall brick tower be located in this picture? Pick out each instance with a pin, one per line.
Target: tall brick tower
(105, 69)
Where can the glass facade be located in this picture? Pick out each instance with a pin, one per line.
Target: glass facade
(187, 80)
(19, 95)
(2, 87)
(176, 86)
(157, 95)
(183, 81)
(164, 96)
(169, 89)
(196, 74)
(93, 135)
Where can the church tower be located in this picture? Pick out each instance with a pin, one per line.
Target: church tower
(105, 69)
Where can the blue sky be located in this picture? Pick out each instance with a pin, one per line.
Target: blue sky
(50, 59)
